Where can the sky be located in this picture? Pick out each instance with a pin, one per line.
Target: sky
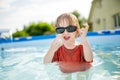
(14, 14)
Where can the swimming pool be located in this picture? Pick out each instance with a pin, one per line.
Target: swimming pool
(24, 60)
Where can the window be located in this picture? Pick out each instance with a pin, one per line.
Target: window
(98, 20)
(104, 23)
(117, 20)
(99, 3)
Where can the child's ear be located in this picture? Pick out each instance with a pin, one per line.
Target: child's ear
(78, 32)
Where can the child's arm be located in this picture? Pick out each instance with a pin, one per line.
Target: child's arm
(54, 46)
(86, 47)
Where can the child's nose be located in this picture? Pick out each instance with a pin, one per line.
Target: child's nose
(65, 32)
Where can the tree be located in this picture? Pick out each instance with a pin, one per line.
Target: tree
(20, 34)
(81, 20)
(35, 29)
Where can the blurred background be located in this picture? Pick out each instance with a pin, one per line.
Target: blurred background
(36, 17)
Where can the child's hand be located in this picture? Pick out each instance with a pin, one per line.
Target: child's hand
(57, 42)
(83, 31)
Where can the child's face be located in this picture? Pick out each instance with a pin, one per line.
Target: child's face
(68, 37)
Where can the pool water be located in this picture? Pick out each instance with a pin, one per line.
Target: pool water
(24, 61)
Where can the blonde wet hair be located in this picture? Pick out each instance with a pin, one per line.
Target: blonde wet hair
(69, 18)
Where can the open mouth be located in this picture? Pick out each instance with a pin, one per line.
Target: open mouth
(66, 37)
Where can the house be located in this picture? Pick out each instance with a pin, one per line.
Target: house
(104, 15)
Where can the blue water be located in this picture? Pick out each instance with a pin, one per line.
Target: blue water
(24, 61)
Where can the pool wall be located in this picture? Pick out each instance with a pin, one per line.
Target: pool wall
(42, 37)
(106, 40)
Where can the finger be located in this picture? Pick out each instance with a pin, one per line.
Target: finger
(55, 40)
(82, 30)
(86, 26)
(58, 36)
